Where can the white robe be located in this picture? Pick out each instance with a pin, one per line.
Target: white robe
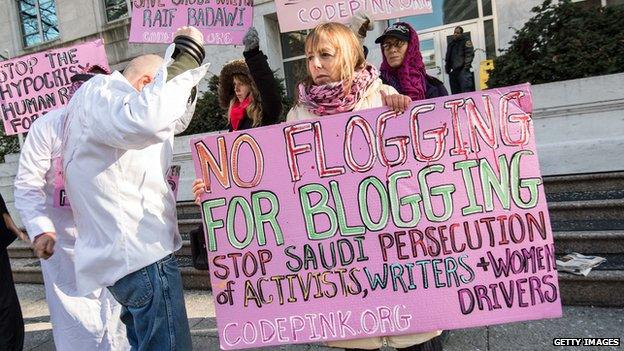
(78, 323)
(117, 152)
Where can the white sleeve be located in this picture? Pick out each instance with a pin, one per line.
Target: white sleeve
(34, 163)
(150, 117)
(183, 123)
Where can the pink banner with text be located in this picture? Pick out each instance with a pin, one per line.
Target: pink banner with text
(223, 22)
(305, 14)
(372, 224)
(32, 85)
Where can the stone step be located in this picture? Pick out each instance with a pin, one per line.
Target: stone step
(28, 270)
(599, 288)
(584, 183)
(590, 242)
(20, 249)
(587, 225)
(586, 210)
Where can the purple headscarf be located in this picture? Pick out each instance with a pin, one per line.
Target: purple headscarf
(410, 76)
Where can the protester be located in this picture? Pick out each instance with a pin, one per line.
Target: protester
(403, 66)
(459, 56)
(11, 321)
(78, 323)
(248, 89)
(117, 150)
(340, 80)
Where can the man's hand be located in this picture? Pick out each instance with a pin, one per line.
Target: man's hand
(191, 32)
(8, 221)
(44, 245)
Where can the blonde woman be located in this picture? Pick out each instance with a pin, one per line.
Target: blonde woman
(340, 80)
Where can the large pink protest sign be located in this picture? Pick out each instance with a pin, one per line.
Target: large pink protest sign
(304, 14)
(32, 85)
(369, 223)
(223, 22)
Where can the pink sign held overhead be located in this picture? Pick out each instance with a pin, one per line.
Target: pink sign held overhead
(32, 85)
(375, 224)
(305, 14)
(223, 22)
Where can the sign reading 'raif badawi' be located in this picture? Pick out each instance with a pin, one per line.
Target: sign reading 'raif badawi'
(373, 224)
(222, 22)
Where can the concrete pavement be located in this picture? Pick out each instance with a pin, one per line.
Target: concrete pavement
(536, 335)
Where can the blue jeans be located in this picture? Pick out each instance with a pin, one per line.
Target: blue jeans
(153, 307)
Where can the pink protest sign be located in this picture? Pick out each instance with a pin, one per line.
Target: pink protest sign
(374, 224)
(304, 14)
(32, 85)
(223, 22)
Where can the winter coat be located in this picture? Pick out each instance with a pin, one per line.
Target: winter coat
(257, 67)
(370, 99)
(459, 54)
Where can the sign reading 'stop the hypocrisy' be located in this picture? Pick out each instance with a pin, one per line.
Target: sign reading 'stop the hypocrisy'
(371, 223)
(32, 85)
(223, 22)
(305, 14)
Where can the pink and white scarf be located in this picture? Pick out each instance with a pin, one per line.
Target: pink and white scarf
(330, 99)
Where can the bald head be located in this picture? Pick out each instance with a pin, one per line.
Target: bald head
(141, 70)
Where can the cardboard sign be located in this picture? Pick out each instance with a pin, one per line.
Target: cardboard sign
(373, 224)
(223, 22)
(304, 14)
(32, 85)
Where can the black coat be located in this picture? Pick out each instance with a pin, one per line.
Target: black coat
(459, 54)
(267, 86)
(11, 322)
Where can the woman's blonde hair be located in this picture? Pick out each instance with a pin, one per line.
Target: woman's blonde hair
(348, 48)
(254, 110)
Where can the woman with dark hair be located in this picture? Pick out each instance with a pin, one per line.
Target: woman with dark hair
(11, 322)
(403, 66)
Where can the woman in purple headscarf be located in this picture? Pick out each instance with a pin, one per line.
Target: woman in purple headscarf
(403, 67)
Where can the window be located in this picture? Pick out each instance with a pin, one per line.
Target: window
(293, 57)
(116, 9)
(490, 42)
(38, 20)
(427, 49)
(446, 12)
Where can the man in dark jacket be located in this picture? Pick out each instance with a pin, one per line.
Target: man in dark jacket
(459, 55)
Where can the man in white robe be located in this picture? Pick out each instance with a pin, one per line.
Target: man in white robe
(118, 149)
(79, 323)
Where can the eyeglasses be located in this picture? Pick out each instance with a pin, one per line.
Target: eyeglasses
(387, 45)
